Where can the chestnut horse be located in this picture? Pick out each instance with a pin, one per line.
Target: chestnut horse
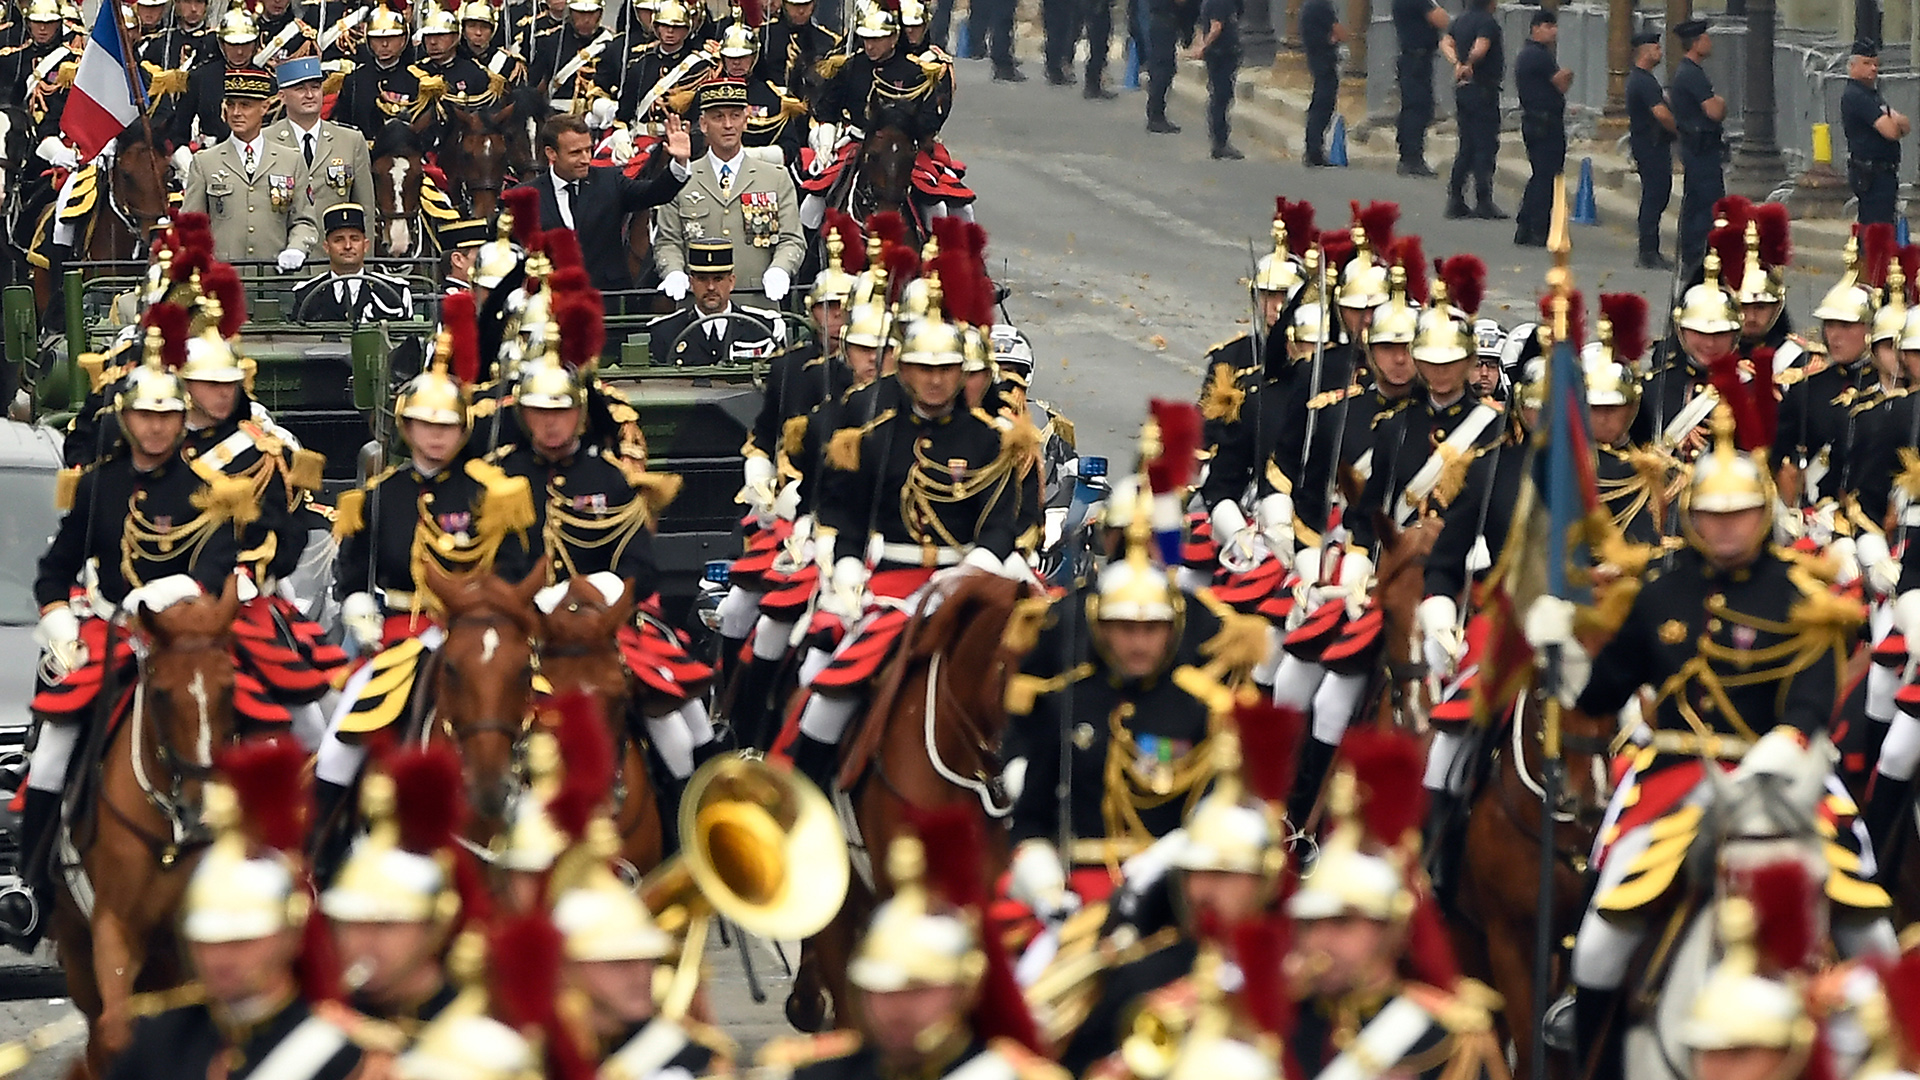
(398, 161)
(482, 147)
(481, 684)
(117, 902)
(131, 204)
(944, 692)
(1497, 896)
(580, 651)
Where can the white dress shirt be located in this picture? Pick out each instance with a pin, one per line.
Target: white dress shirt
(732, 175)
(257, 147)
(307, 140)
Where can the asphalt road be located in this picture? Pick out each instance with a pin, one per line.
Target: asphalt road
(1126, 255)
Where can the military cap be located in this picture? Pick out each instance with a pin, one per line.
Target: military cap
(345, 215)
(710, 257)
(465, 234)
(1646, 37)
(249, 84)
(1690, 29)
(1545, 17)
(723, 92)
(294, 72)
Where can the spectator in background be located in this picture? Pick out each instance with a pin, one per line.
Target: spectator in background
(1320, 36)
(1163, 32)
(1476, 98)
(1650, 131)
(1700, 114)
(1421, 27)
(1542, 84)
(1219, 45)
(1874, 130)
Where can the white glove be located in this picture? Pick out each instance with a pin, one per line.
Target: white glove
(600, 114)
(362, 617)
(244, 588)
(291, 259)
(623, 147)
(1550, 622)
(611, 587)
(757, 493)
(1877, 562)
(774, 283)
(845, 590)
(787, 503)
(1906, 617)
(1235, 536)
(1789, 525)
(54, 152)
(161, 594)
(1438, 619)
(1275, 515)
(183, 159)
(1037, 879)
(675, 285)
(980, 558)
(1356, 581)
(822, 139)
(58, 635)
(1846, 561)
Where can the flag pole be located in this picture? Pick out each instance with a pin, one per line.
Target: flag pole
(1552, 765)
(129, 41)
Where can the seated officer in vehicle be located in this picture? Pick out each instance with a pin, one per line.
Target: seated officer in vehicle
(348, 292)
(723, 336)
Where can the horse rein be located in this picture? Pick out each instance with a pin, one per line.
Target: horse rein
(986, 789)
(188, 831)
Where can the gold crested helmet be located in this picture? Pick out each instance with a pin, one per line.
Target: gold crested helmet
(933, 341)
(1133, 589)
(1363, 281)
(876, 21)
(672, 13)
(211, 359)
(469, 1047)
(872, 326)
(1362, 867)
(1239, 826)
(479, 11)
(1398, 321)
(1763, 271)
(1279, 270)
(466, 1041)
(600, 919)
(739, 41)
(1611, 363)
(385, 22)
(438, 20)
(1531, 390)
(236, 27)
(533, 841)
(440, 394)
(434, 396)
(834, 285)
(1749, 1002)
(586, 5)
(1708, 308)
(914, 938)
(1442, 339)
(400, 870)
(247, 885)
(914, 295)
(1890, 318)
(1851, 298)
(545, 383)
(45, 11)
(1727, 479)
(1609, 382)
(1910, 330)
(154, 384)
(913, 13)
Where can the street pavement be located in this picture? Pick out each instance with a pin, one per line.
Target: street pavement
(1127, 255)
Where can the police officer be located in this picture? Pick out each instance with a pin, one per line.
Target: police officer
(1542, 84)
(1321, 33)
(1650, 133)
(1874, 130)
(1218, 43)
(1698, 115)
(1163, 31)
(1478, 42)
(1420, 26)
(721, 338)
(249, 185)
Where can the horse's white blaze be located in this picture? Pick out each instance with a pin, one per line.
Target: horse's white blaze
(398, 238)
(489, 644)
(203, 746)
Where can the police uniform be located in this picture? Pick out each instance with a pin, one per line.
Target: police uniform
(1702, 147)
(257, 208)
(1873, 160)
(1543, 127)
(1651, 145)
(338, 169)
(1413, 69)
(1477, 110)
(1317, 23)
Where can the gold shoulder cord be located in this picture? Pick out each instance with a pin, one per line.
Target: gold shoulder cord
(1128, 790)
(924, 491)
(140, 541)
(444, 549)
(568, 532)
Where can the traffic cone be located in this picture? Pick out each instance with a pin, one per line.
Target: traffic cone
(1584, 210)
(1132, 79)
(1337, 154)
(962, 41)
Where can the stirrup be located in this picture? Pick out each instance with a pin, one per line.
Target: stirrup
(20, 922)
(1556, 1025)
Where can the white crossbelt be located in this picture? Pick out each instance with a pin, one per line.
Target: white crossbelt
(1458, 443)
(922, 555)
(272, 48)
(302, 1053)
(592, 52)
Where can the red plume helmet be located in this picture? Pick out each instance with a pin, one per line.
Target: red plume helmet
(562, 247)
(903, 265)
(524, 204)
(568, 279)
(1786, 931)
(429, 805)
(1379, 219)
(1729, 242)
(888, 225)
(1876, 250)
(1466, 278)
(1627, 312)
(1298, 218)
(173, 322)
(269, 779)
(459, 315)
(853, 252)
(1388, 767)
(958, 875)
(582, 318)
(1408, 253)
(1180, 428)
(222, 282)
(1902, 982)
(1336, 250)
(1260, 948)
(586, 763)
(1735, 210)
(1776, 238)
(193, 231)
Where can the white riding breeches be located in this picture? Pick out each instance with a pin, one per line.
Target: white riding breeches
(47, 768)
(770, 638)
(1334, 704)
(737, 611)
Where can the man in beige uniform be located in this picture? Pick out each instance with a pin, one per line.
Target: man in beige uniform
(734, 197)
(250, 185)
(336, 165)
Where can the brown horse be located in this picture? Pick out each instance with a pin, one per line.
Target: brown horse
(1499, 878)
(481, 681)
(579, 651)
(943, 690)
(130, 206)
(398, 172)
(141, 836)
(1398, 692)
(885, 179)
(477, 154)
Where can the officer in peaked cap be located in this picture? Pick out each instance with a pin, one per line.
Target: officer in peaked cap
(462, 242)
(338, 168)
(1874, 130)
(722, 339)
(1650, 132)
(250, 185)
(348, 291)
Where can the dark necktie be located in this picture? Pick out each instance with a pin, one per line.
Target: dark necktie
(307, 139)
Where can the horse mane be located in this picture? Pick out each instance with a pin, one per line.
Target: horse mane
(395, 139)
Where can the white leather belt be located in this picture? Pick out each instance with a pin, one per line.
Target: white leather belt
(921, 555)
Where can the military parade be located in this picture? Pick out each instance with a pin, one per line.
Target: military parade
(624, 539)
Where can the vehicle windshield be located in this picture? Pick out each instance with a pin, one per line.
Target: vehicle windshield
(27, 524)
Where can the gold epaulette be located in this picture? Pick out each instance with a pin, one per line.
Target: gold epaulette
(1023, 627)
(1467, 1010)
(1819, 610)
(484, 408)
(792, 1052)
(843, 450)
(1222, 398)
(66, 483)
(225, 498)
(932, 69)
(1026, 1064)
(155, 1002)
(791, 107)
(1019, 441)
(622, 412)
(831, 66)
(63, 76)
(1023, 689)
(793, 435)
(307, 469)
(164, 82)
(508, 505)
(680, 101)
(1332, 397)
(657, 490)
(1822, 566)
(350, 513)
(1062, 427)
(1205, 687)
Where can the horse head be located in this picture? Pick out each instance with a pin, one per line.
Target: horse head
(1768, 808)
(186, 689)
(483, 679)
(886, 166)
(476, 156)
(579, 645)
(137, 182)
(396, 188)
(1400, 584)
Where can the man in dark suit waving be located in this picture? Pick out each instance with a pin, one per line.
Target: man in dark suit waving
(594, 200)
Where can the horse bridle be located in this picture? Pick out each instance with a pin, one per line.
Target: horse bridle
(188, 831)
(515, 732)
(130, 217)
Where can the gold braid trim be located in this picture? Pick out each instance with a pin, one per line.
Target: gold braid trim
(1222, 399)
(349, 515)
(793, 436)
(230, 498)
(1022, 442)
(307, 470)
(830, 67)
(567, 532)
(1024, 690)
(65, 483)
(1129, 791)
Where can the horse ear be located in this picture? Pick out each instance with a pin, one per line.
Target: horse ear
(623, 610)
(150, 625)
(535, 580)
(505, 113)
(229, 601)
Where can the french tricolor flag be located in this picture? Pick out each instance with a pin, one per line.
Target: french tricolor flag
(103, 100)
